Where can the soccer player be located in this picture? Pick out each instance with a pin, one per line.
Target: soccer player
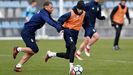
(31, 10)
(72, 23)
(117, 20)
(28, 33)
(93, 11)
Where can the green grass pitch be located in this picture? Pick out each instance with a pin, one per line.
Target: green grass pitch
(103, 61)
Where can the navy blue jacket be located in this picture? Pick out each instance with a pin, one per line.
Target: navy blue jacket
(93, 11)
(38, 20)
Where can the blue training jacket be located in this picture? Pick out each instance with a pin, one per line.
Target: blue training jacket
(38, 20)
(93, 11)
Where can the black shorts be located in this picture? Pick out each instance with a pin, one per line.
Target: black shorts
(89, 32)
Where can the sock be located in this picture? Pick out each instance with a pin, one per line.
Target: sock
(19, 49)
(71, 66)
(18, 65)
(52, 54)
(88, 46)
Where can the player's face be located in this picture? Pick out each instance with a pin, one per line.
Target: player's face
(79, 11)
(34, 3)
(49, 8)
(123, 3)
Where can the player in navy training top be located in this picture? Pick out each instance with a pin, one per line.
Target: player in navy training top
(93, 11)
(28, 33)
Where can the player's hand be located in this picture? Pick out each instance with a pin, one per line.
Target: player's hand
(26, 19)
(113, 24)
(104, 17)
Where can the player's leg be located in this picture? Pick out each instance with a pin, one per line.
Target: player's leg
(68, 55)
(25, 58)
(61, 54)
(117, 36)
(73, 40)
(71, 57)
(51, 54)
(70, 45)
(30, 50)
(16, 50)
(82, 47)
(30, 43)
(84, 43)
(94, 38)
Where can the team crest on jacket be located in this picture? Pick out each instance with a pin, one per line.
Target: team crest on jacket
(98, 9)
(93, 8)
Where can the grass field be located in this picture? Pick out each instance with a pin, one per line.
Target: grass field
(103, 61)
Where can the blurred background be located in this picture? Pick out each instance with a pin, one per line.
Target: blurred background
(12, 18)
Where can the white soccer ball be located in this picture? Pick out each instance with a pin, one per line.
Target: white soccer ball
(78, 69)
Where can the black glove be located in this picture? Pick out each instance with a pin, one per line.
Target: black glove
(103, 18)
(112, 24)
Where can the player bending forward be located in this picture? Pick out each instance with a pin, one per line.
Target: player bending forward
(28, 34)
(72, 23)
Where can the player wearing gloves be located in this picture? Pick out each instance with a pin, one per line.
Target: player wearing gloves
(117, 20)
(72, 23)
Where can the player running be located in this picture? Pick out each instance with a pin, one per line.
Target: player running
(72, 23)
(93, 11)
(28, 34)
(117, 20)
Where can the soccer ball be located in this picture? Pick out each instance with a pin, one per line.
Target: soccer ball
(78, 69)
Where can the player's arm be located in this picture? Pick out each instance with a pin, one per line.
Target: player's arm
(128, 16)
(99, 15)
(64, 17)
(86, 21)
(46, 17)
(112, 13)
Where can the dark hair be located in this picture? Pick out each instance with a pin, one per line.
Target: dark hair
(33, 1)
(123, 0)
(80, 5)
(47, 3)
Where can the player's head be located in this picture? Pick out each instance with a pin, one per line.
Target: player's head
(48, 6)
(33, 3)
(80, 6)
(123, 2)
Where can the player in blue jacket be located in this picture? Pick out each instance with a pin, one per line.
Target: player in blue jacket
(93, 11)
(28, 34)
